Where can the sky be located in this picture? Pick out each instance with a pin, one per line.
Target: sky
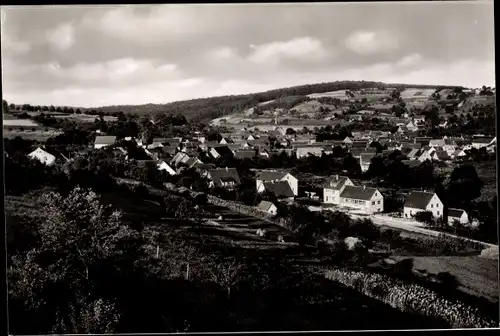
(91, 56)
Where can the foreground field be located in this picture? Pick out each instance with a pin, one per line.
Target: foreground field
(477, 276)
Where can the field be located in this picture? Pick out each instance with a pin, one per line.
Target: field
(477, 276)
(19, 123)
(39, 135)
(340, 94)
(311, 107)
(84, 117)
(411, 93)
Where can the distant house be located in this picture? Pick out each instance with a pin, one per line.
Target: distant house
(441, 155)
(443, 124)
(419, 201)
(281, 130)
(437, 143)
(219, 151)
(104, 140)
(459, 154)
(162, 165)
(225, 141)
(411, 126)
(481, 142)
(42, 156)
(413, 154)
(306, 151)
(333, 187)
(426, 153)
(411, 163)
(268, 207)
(245, 154)
(223, 178)
(457, 214)
(418, 119)
(369, 200)
(275, 176)
(365, 160)
(280, 189)
(348, 140)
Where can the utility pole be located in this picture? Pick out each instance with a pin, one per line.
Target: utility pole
(187, 272)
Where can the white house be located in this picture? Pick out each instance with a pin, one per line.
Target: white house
(365, 161)
(333, 187)
(411, 126)
(165, 166)
(305, 151)
(42, 156)
(275, 176)
(482, 142)
(268, 207)
(457, 214)
(347, 140)
(437, 143)
(419, 201)
(369, 200)
(458, 154)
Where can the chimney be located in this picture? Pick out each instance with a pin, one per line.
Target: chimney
(337, 177)
(227, 169)
(364, 187)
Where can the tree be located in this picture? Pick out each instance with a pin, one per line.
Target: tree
(5, 106)
(227, 274)
(78, 111)
(464, 185)
(290, 131)
(52, 108)
(425, 217)
(82, 243)
(391, 236)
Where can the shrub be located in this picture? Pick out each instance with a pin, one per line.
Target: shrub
(412, 298)
(425, 217)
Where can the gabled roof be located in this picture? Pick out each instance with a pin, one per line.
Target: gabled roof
(244, 154)
(457, 213)
(367, 156)
(411, 163)
(224, 174)
(335, 182)
(270, 175)
(443, 155)
(419, 199)
(437, 142)
(105, 140)
(265, 205)
(204, 166)
(223, 150)
(360, 193)
(280, 189)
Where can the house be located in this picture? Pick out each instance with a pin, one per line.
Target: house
(413, 154)
(347, 141)
(481, 142)
(441, 155)
(275, 176)
(223, 178)
(411, 126)
(42, 156)
(365, 160)
(268, 207)
(178, 158)
(217, 152)
(459, 154)
(359, 144)
(162, 165)
(426, 153)
(280, 189)
(443, 124)
(225, 141)
(203, 168)
(411, 163)
(333, 187)
(357, 135)
(306, 151)
(104, 140)
(457, 214)
(437, 143)
(369, 200)
(419, 201)
(420, 119)
(158, 142)
(245, 154)
(281, 130)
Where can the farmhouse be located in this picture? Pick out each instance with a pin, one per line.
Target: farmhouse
(459, 215)
(275, 176)
(104, 140)
(42, 156)
(219, 151)
(223, 178)
(280, 189)
(268, 207)
(419, 201)
(333, 187)
(369, 200)
(481, 142)
(365, 160)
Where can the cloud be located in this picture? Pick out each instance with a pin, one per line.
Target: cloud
(301, 48)
(62, 37)
(222, 53)
(370, 42)
(410, 60)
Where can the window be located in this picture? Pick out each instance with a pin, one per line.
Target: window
(437, 205)
(378, 202)
(432, 205)
(438, 213)
(373, 202)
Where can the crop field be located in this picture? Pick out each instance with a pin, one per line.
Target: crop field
(340, 94)
(84, 117)
(372, 96)
(477, 276)
(19, 123)
(311, 106)
(417, 93)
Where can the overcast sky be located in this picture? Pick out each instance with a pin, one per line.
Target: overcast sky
(107, 55)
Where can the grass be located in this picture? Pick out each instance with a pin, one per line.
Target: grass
(487, 173)
(477, 276)
(19, 123)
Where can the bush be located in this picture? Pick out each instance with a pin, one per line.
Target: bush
(412, 298)
(425, 217)
(141, 190)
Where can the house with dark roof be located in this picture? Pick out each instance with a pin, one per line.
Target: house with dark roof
(459, 215)
(413, 154)
(419, 201)
(280, 189)
(245, 154)
(162, 165)
(333, 187)
(480, 142)
(368, 200)
(441, 155)
(223, 178)
(217, 152)
(104, 140)
(276, 176)
(437, 143)
(268, 207)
